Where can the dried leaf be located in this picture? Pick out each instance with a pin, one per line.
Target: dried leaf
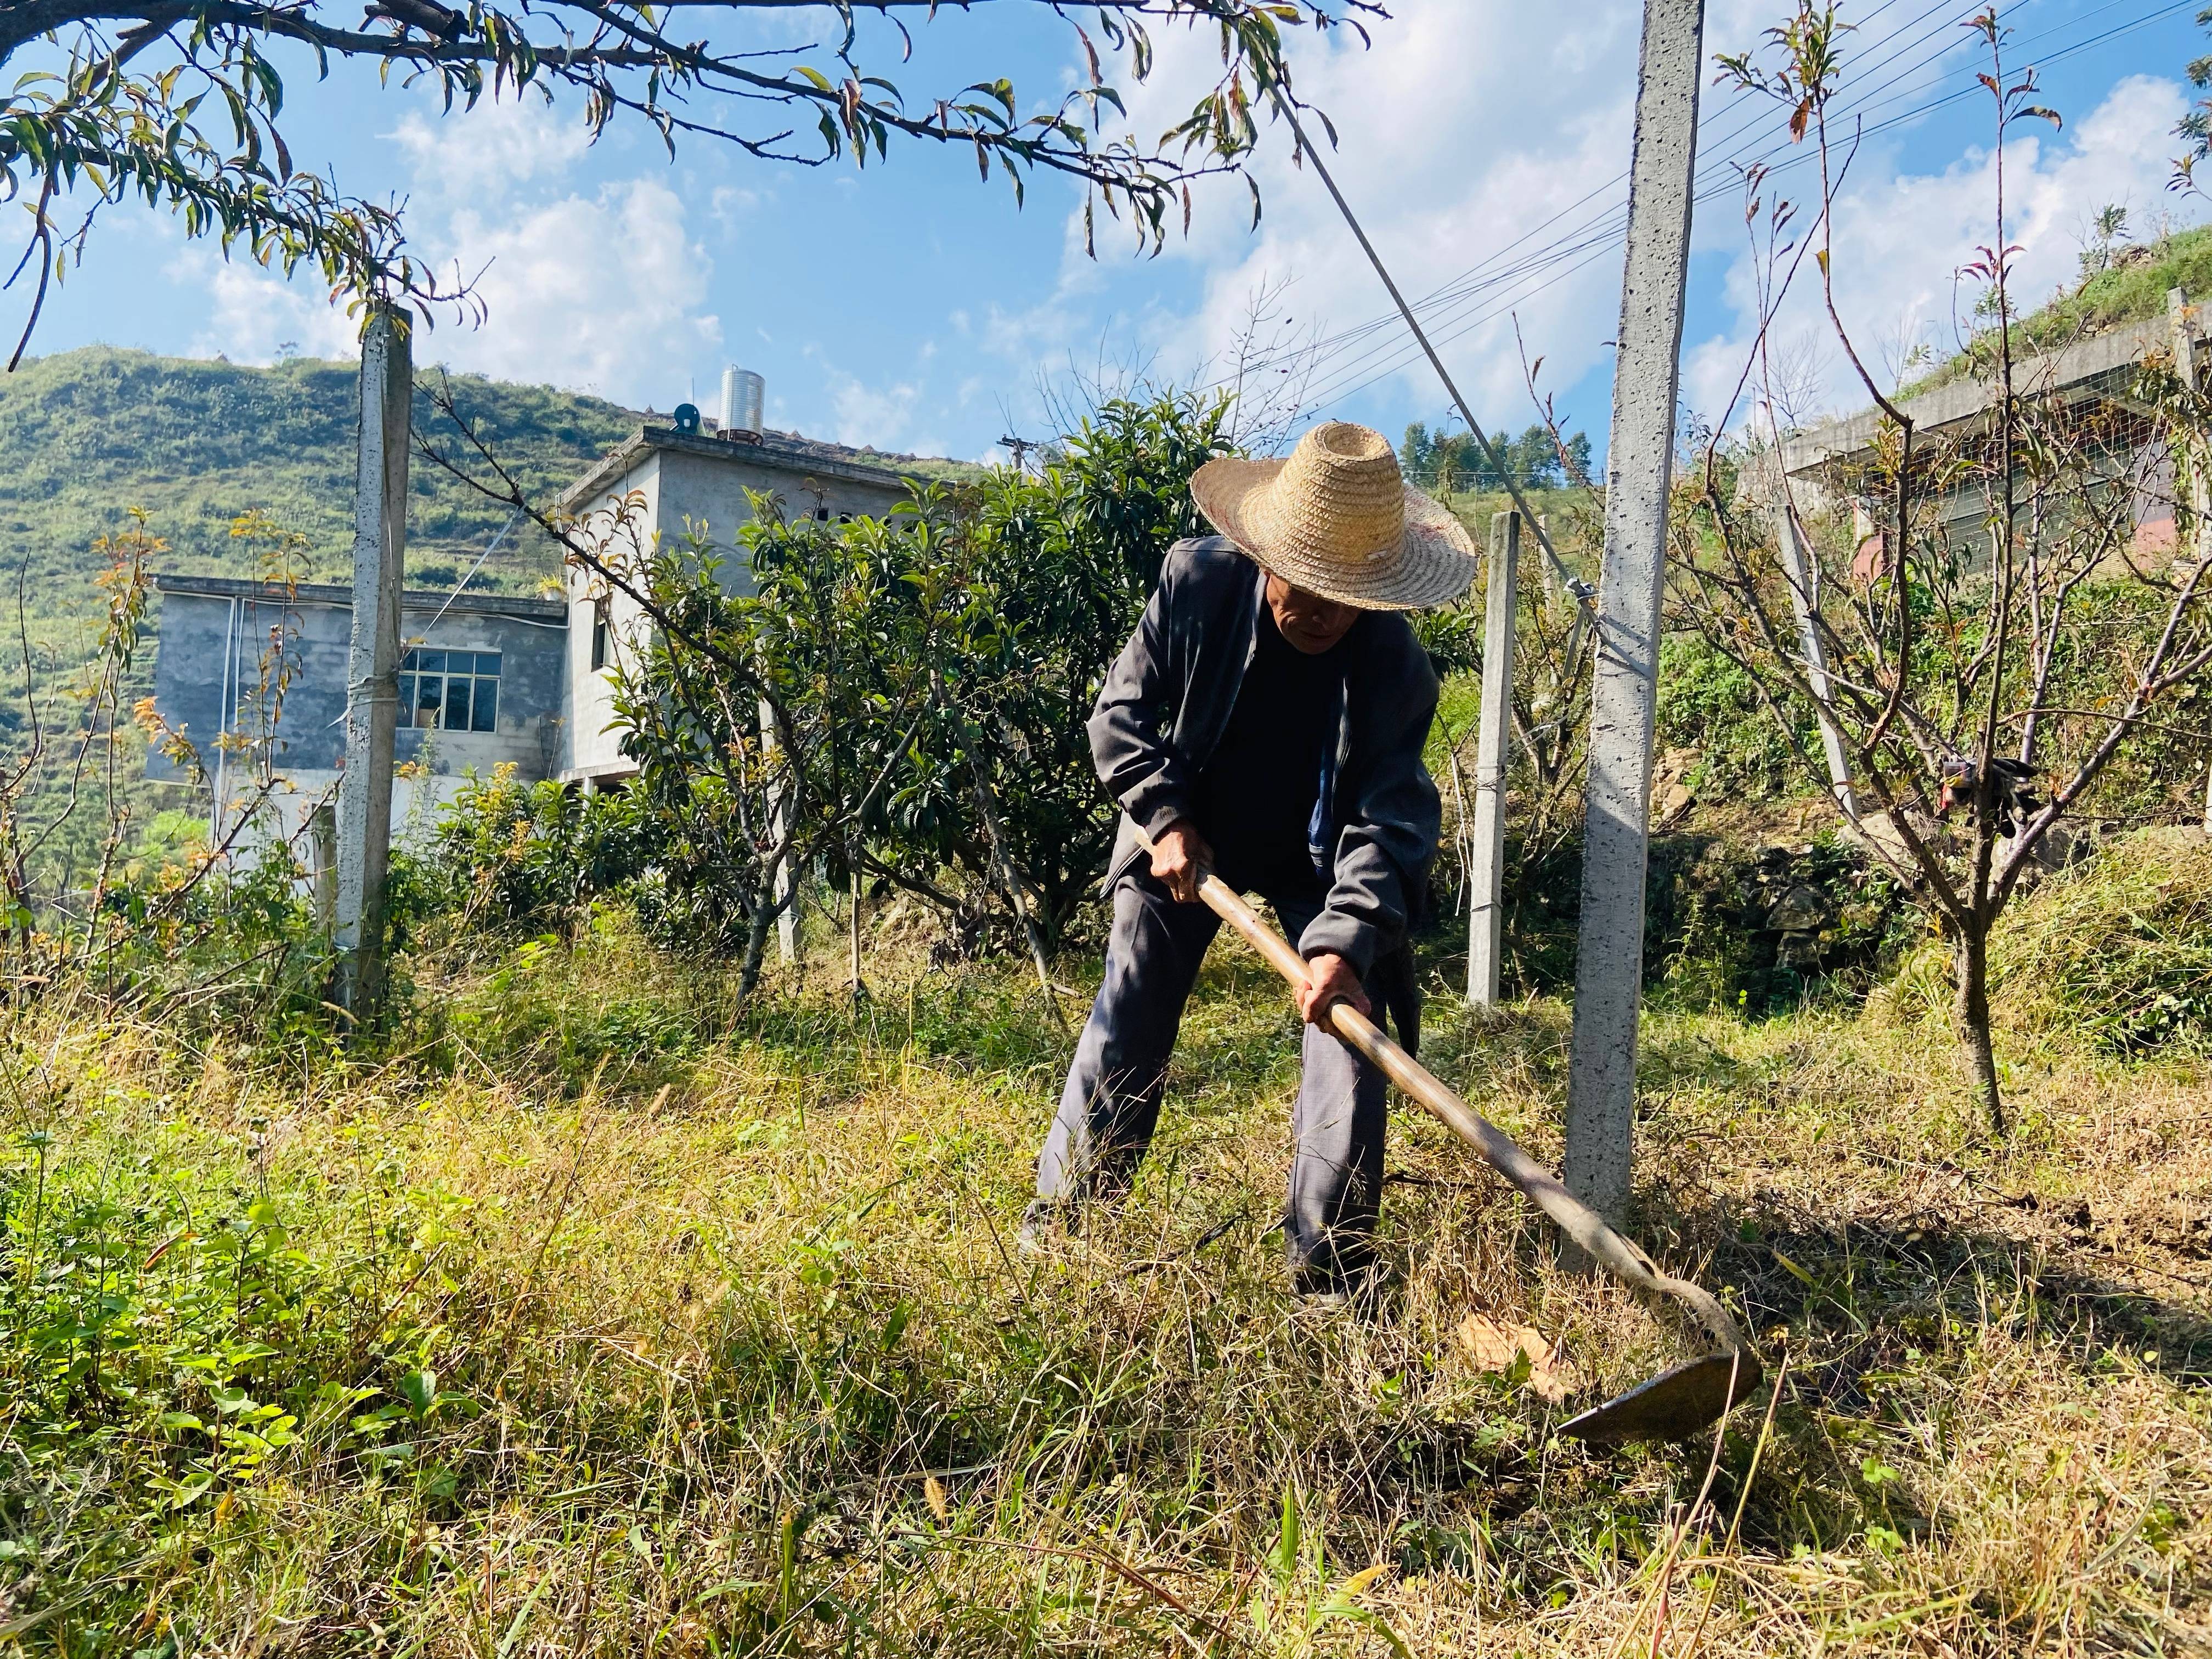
(1360, 1580)
(1491, 1346)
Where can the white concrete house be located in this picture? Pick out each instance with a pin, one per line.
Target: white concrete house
(667, 481)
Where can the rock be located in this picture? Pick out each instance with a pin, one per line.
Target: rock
(1802, 909)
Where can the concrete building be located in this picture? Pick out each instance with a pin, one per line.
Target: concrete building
(1835, 464)
(265, 667)
(253, 675)
(665, 482)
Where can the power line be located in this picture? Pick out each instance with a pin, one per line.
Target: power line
(1452, 289)
(1610, 224)
(1605, 229)
(1602, 235)
(1582, 590)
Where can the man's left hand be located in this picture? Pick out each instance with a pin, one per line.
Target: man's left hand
(1329, 980)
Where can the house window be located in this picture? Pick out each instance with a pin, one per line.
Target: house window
(452, 690)
(599, 638)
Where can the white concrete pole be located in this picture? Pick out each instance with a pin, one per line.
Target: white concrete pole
(380, 544)
(1624, 694)
(1486, 914)
(1802, 573)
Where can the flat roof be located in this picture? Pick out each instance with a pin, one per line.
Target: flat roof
(781, 451)
(2102, 365)
(460, 601)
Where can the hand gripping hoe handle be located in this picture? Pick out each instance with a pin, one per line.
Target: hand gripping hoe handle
(1677, 1402)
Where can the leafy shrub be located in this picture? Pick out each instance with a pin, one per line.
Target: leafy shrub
(2119, 948)
(184, 1342)
(519, 854)
(901, 699)
(1708, 703)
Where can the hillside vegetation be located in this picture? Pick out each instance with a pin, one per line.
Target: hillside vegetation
(2133, 286)
(85, 434)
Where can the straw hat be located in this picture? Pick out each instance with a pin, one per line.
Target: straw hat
(1337, 519)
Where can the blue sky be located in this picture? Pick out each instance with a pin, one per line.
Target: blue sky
(910, 306)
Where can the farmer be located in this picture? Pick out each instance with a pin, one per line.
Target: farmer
(1265, 722)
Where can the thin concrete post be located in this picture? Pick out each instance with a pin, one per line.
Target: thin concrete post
(379, 546)
(1624, 694)
(1802, 573)
(323, 847)
(1485, 913)
(2194, 456)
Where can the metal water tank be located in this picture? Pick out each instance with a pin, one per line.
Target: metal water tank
(743, 392)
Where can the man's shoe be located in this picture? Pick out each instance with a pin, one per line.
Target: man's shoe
(1044, 1227)
(1329, 1287)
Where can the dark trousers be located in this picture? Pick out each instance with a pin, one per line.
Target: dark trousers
(1112, 1101)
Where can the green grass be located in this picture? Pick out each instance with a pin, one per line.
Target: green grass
(581, 1320)
(2105, 300)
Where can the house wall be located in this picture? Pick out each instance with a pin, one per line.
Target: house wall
(682, 493)
(209, 677)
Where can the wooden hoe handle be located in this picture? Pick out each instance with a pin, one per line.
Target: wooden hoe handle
(1619, 1255)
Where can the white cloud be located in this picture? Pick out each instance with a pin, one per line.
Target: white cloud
(602, 290)
(1450, 157)
(1902, 238)
(473, 154)
(600, 293)
(1460, 161)
(252, 315)
(884, 411)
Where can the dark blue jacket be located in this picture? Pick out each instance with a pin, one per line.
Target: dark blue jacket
(1167, 699)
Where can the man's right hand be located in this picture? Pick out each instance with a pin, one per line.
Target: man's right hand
(1180, 857)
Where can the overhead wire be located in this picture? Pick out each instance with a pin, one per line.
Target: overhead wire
(1452, 287)
(1553, 262)
(1599, 233)
(1863, 108)
(1607, 228)
(1582, 591)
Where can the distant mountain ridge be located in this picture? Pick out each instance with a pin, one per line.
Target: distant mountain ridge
(85, 435)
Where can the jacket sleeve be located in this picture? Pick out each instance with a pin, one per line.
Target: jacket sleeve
(1135, 762)
(1389, 811)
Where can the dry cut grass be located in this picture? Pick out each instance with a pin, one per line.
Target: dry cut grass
(601, 1331)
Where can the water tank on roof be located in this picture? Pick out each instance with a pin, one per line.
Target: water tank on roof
(742, 395)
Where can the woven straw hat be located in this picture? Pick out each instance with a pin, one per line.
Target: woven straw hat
(1337, 519)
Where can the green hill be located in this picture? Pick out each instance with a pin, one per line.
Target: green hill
(2132, 285)
(86, 436)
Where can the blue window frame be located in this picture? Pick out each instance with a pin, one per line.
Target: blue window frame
(452, 690)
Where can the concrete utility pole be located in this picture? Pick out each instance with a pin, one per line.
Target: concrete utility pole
(1485, 911)
(1803, 576)
(380, 544)
(1624, 696)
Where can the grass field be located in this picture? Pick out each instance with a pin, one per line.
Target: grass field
(576, 1323)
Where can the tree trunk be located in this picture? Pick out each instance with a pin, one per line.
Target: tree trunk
(1969, 1012)
(765, 909)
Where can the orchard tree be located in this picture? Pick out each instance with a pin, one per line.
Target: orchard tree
(181, 105)
(1978, 662)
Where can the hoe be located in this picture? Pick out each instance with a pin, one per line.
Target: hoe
(1672, 1406)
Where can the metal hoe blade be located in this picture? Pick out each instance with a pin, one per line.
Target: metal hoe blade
(1673, 1405)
